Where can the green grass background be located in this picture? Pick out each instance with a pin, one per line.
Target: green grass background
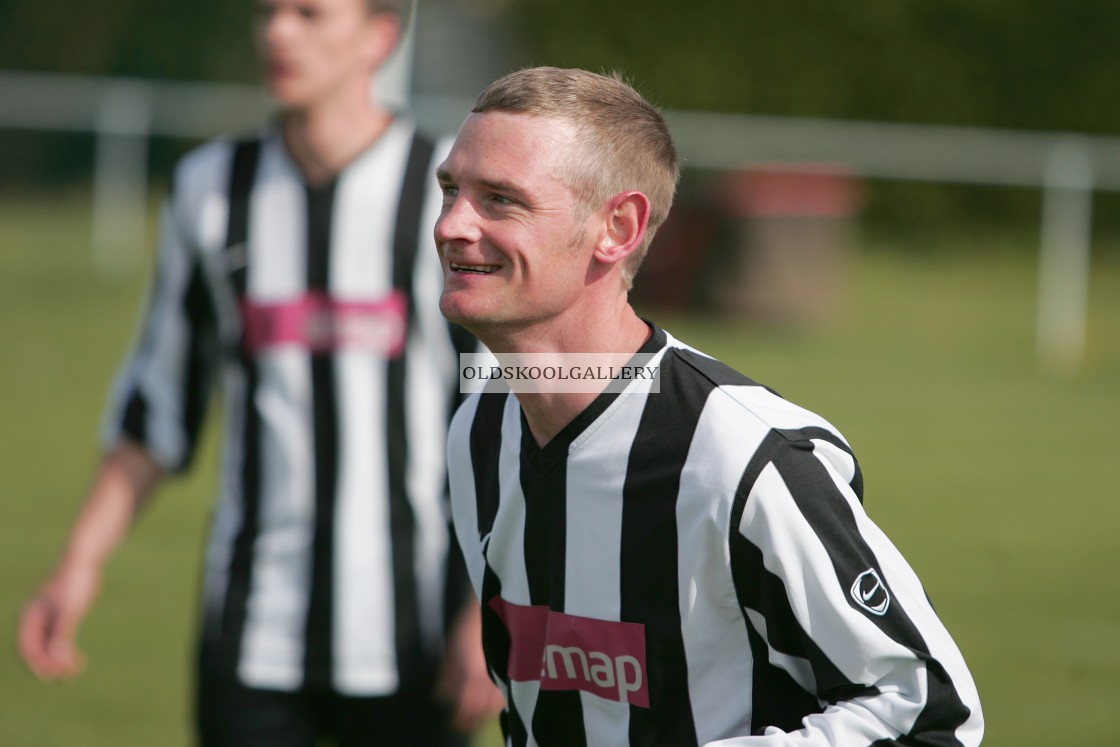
(1000, 484)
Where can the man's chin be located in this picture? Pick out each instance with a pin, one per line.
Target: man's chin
(458, 313)
(286, 96)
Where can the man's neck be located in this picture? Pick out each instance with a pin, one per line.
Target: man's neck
(323, 141)
(548, 413)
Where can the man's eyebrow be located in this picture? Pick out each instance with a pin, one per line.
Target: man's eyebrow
(508, 188)
(445, 177)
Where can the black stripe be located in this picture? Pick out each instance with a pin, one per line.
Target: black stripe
(243, 170)
(463, 342)
(496, 644)
(414, 665)
(134, 422)
(558, 715)
(777, 699)
(410, 210)
(823, 434)
(544, 486)
(222, 651)
(716, 372)
(201, 359)
(486, 431)
(318, 651)
(649, 552)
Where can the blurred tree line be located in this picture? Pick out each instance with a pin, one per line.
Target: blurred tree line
(998, 63)
(1045, 65)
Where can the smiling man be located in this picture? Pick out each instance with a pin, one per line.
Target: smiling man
(681, 561)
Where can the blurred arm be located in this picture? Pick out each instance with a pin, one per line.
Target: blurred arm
(49, 623)
(465, 681)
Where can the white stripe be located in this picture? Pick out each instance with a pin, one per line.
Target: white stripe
(837, 461)
(364, 645)
(273, 646)
(272, 649)
(277, 251)
(426, 410)
(714, 634)
(464, 499)
(604, 721)
(364, 220)
(159, 373)
(364, 621)
(774, 411)
(593, 514)
(525, 695)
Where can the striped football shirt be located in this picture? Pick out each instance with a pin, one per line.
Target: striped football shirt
(694, 566)
(314, 310)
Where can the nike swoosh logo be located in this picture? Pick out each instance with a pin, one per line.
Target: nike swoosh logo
(867, 595)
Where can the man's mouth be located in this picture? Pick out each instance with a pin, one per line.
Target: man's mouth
(473, 269)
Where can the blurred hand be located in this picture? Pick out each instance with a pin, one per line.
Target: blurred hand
(48, 625)
(465, 681)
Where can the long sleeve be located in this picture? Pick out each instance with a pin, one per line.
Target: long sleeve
(836, 612)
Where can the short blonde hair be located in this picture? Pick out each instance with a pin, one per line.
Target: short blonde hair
(624, 143)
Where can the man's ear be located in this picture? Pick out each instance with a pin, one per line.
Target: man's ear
(624, 221)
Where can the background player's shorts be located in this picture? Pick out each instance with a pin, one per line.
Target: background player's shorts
(229, 714)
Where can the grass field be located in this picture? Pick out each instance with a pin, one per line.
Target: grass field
(998, 483)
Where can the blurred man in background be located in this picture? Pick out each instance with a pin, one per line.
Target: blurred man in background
(686, 564)
(289, 269)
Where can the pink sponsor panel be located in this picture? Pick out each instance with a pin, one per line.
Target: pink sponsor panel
(568, 652)
(320, 323)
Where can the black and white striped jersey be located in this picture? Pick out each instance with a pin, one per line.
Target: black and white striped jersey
(316, 308)
(695, 567)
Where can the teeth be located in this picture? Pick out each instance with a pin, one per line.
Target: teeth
(476, 269)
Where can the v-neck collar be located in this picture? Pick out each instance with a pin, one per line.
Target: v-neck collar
(545, 458)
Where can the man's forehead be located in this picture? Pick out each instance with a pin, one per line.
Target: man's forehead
(536, 134)
(504, 147)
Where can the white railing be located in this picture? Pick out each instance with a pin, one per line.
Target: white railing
(1068, 167)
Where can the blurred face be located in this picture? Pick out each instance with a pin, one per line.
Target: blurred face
(316, 50)
(507, 234)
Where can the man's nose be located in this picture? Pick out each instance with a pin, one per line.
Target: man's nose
(457, 222)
